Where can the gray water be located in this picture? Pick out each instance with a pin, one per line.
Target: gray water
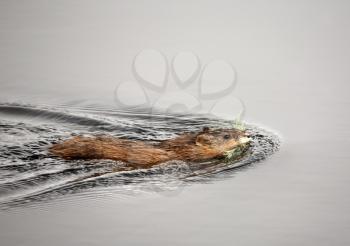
(31, 175)
(292, 60)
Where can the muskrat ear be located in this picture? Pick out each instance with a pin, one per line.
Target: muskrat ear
(203, 139)
(205, 129)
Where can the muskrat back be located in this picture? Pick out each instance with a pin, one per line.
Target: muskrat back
(203, 145)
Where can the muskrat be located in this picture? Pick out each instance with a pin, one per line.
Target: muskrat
(193, 147)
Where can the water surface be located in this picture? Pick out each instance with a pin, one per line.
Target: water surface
(292, 60)
(30, 174)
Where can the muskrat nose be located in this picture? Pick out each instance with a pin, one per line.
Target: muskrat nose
(243, 140)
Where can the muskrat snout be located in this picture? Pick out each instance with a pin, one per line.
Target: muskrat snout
(244, 140)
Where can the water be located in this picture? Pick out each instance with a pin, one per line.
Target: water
(292, 60)
(30, 174)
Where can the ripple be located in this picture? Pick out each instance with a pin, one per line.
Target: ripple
(28, 174)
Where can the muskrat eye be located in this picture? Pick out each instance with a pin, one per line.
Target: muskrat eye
(226, 136)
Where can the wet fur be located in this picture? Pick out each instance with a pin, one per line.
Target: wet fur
(205, 145)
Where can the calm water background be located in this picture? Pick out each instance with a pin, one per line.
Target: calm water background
(293, 63)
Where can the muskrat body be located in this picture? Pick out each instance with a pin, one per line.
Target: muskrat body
(192, 147)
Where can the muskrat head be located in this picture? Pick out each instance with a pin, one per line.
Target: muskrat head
(221, 140)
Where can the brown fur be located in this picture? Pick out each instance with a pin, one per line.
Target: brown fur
(205, 145)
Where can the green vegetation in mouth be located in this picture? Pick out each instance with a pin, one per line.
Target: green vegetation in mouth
(239, 125)
(235, 153)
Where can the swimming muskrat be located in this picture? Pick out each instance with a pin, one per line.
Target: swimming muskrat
(204, 145)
